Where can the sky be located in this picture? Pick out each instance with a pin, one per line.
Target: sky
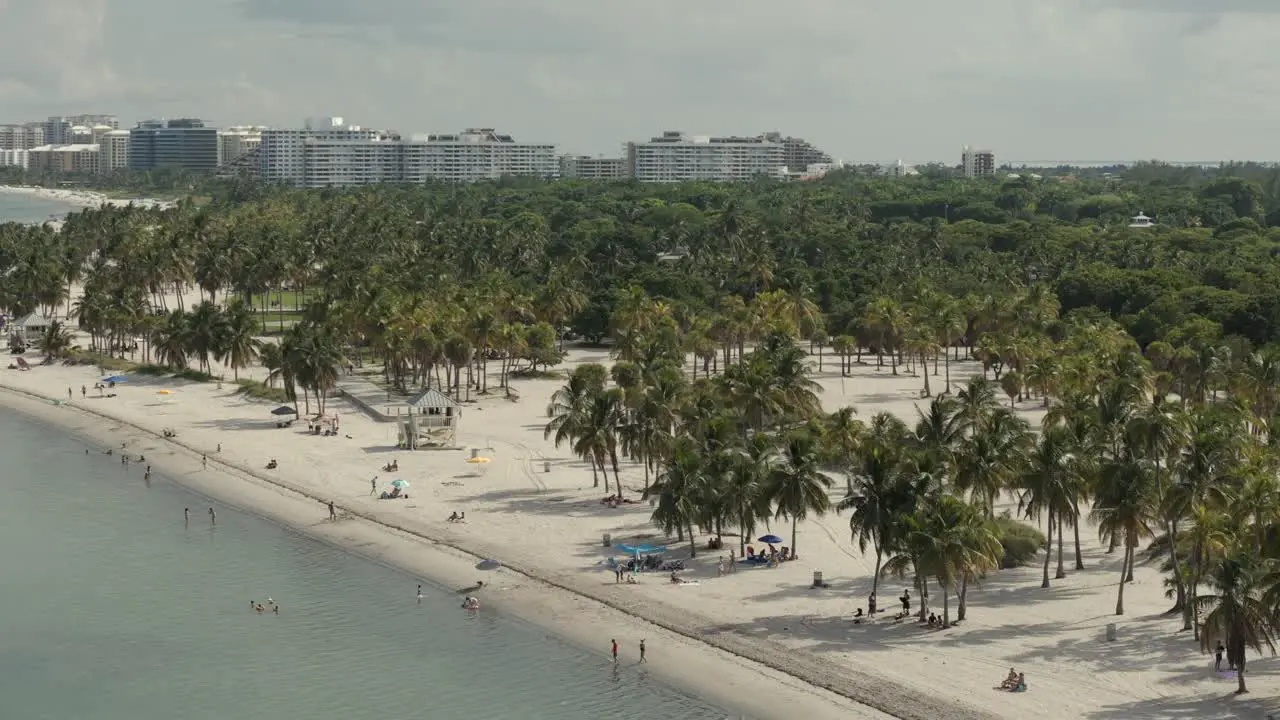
(866, 80)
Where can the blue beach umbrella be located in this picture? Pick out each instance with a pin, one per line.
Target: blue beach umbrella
(638, 549)
(402, 484)
(770, 539)
(116, 379)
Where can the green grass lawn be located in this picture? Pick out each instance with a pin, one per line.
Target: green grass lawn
(289, 300)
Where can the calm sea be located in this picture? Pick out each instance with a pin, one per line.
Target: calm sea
(23, 208)
(112, 609)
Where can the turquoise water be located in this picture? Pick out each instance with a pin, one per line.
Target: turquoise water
(23, 208)
(113, 609)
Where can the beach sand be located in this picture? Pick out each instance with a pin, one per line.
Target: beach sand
(549, 525)
(79, 198)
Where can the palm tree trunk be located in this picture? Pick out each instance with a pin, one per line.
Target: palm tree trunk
(1076, 528)
(1062, 572)
(1131, 544)
(1124, 568)
(875, 579)
(1240, 688)
(947, 356)
(693, 543)
(946, 588)
(1048, 553)
(964, 598)
(793, 536)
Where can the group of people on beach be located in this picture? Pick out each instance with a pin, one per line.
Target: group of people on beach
(613, 642)
(1014, 682)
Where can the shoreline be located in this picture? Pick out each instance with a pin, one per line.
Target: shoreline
(707, 669)
(80, 199)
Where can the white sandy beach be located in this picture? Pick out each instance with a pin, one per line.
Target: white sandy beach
(550, 524)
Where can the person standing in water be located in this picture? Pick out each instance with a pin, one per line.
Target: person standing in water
(213, 517)
(419, 594)
(186, 516)
(642, 651)
(615, 650)
(332, 514)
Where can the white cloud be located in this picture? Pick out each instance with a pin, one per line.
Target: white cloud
(866, 79)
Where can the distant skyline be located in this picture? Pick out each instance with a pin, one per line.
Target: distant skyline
(1187, 80)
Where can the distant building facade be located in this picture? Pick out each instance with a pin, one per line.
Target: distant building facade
(798, 155)
(180, 144)
(21, 137)
(113, 151)
(236, 142)
(977, 163)
(329, 153)
(57, 129)
(79, 159)
(677, 157)
(476, 154)
(15, 158)
(584, 167)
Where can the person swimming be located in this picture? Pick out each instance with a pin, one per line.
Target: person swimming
(419, 593)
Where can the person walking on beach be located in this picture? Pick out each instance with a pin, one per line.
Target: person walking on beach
(615, 651)
(373, 485)
(906, 602)
(733, 560)
(219, 447)
(642, 651)
(213, 517)
(68, 393)
(1217, 657)
(720, 567)
(82, 392)
(332, 514)
(204, 462)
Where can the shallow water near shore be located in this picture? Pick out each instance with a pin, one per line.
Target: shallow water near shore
(112, 609)
(25, 208)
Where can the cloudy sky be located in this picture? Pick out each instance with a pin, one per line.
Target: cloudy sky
(864, 79)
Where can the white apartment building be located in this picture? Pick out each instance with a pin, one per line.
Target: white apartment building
(476, 154)
(676, 157)
(238, 141)
(977, 163)
(282, 154)
(329, 153)
(14, 158)
(585, 167)
(113, 151)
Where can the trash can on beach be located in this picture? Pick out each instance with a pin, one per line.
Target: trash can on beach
(1111, 632)
(817, 578)
(546, 466)
(608, 540)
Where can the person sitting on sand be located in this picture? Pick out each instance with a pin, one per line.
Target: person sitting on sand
(272, 464)
(1021, 685)
(933, 620)
(857, 616)
(1011, 681)
(675, 579)
(453, 517)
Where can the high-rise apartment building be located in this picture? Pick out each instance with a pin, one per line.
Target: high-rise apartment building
(476, 154)
(977, 163)
(15, 158)
(676, 157)
(57, 129)
(238, 141)
(113, 152)
(329, 153)
(181, 144)
(21, 137)
(283, 154)
(798, 155)
(584, 167)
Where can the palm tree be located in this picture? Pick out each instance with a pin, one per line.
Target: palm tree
(205, 329)
(1161, 431)
(240, 347)
(171, 341)
(796, 484)
(1240, 616)
(1123, 510)
(875, 499)
(957, 543)
(1046, 489)
(55, 341)
(679, 489)
(570, 406)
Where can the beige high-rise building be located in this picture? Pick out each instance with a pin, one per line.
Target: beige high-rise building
(80, 159)
(113, 151)
(977, 163)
